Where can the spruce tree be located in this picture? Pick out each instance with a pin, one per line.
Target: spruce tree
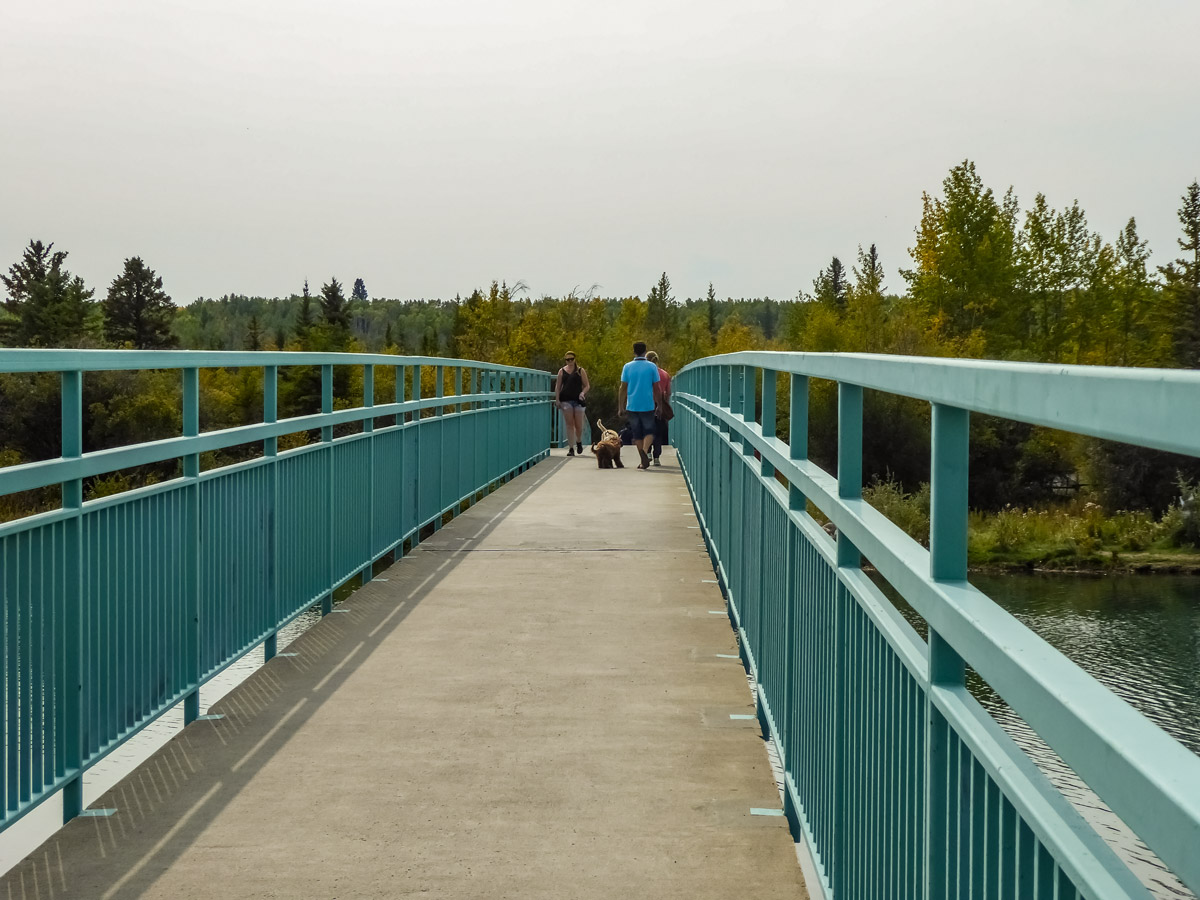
(360, 291)
(1182, 282)
(47, 306)
(711, 302)
(137, 311)
(658, 307)
(253, 335)
(830, 286)
(304, 319)
(333, 305)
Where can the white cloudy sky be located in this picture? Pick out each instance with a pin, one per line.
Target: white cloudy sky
(431, 147)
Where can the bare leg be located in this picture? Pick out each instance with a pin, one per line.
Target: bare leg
(572, 426)
(580, 419)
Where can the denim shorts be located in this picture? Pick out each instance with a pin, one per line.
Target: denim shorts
(641, 423)
(574, 404)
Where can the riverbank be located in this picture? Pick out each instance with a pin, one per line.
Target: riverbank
(1077, 537)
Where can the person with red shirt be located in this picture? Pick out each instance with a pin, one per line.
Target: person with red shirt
(661, 416)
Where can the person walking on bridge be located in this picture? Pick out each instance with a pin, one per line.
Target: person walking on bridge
(639, 395)
(570, 390)
(664, 413)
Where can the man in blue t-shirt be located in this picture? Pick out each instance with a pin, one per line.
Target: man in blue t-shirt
(639, 395)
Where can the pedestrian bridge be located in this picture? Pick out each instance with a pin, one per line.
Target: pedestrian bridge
(538, 689)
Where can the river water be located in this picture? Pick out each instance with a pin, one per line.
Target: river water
(1137, 635)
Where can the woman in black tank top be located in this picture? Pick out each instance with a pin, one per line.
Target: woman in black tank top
(570, 391)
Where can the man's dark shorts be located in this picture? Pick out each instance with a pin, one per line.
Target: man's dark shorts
(641, 423)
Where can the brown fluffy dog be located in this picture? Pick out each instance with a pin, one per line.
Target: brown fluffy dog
(608, 448)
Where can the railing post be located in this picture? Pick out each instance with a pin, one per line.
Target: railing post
(947, 562)
(439, 391)
(71, 724)
(327, 439)
(271, 449)
(191, 543)
(415, 396)
(798, 436)
(368, 426)
(724, 392)
(749, 383)
(768, 416)
(849, 473)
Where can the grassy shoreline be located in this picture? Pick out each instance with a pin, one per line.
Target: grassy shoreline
(1077, 537)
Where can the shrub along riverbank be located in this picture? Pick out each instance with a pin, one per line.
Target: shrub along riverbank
(1075, 536)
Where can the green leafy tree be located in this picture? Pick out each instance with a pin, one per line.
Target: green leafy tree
(1182, 283)
(46, 306)
(137, 311)
(359, 292)
(965, 272)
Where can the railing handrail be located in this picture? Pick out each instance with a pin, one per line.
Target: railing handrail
(153, 563)
(26, 360)
(1157, 408)
(1147, 777)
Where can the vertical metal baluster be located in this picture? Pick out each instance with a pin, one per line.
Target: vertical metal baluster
(798, 436)
(271, 450)
(327, 439)
(849, 450)
(768, 416)
(368, 425)
(191, 546)
(947, 562)
(415, 464)
(71, 720)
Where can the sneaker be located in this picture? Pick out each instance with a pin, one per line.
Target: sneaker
(656, 462)
(579, 448)
(570, 451)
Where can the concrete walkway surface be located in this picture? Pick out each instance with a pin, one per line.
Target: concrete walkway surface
(531, 705)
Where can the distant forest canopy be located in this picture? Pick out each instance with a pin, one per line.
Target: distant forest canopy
(985, 279)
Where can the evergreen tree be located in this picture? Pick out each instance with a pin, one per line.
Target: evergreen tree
(253, 335)
(137, 311)
(830, 286)
(360, 291)
(304, 321)
(770, 318)
(868, 274)
(1182, 282)
(658, 307)
(46, 305)
(333, 305)
(711, 302)
(387, 337)
(280, 338)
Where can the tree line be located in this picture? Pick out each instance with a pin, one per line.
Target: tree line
(984, 279)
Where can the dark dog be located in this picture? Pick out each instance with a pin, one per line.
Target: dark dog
(608, 448)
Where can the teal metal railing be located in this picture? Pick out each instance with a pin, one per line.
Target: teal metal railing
(900, 784)
(117, 609)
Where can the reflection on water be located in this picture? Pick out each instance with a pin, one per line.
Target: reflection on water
(28, 834)
(1137, 635)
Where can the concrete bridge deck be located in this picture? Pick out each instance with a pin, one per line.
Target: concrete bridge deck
(532, 704)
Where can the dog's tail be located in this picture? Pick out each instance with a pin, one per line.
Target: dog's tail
(600, 425)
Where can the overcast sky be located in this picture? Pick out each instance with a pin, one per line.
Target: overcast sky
(432, 147)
